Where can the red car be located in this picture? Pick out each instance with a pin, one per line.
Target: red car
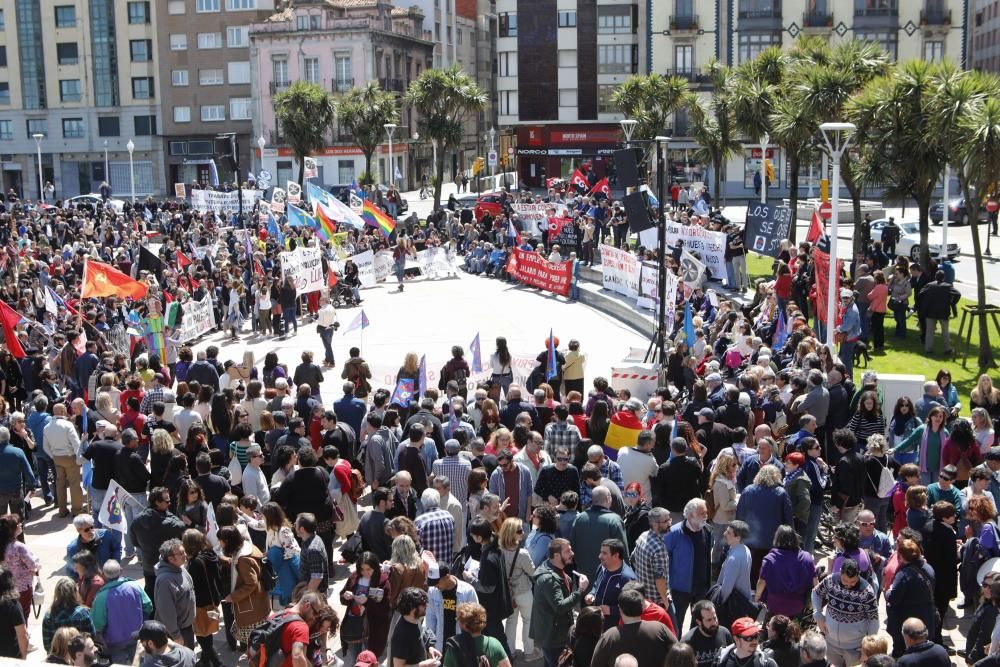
(488, 203)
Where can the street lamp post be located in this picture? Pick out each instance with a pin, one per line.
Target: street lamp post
(41, 183)
(661, 242)
(389, 129)
(493, 169)
(131, 168)
(107, 176)
(260, 144)
(945, 211)
(764, 141)
(837, 137)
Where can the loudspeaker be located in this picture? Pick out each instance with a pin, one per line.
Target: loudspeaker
(628, 170)
(636, 212)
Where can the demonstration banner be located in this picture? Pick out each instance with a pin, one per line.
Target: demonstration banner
(532, 269)
(648, 286)
(435, 262)
(210, 200)
(365, 262)
(535, 216)
(305, 265)
(293, 192)
(383, 265)
(620, 270)
(384, 375)
(709, 246)
(766, 227)
(198, 319)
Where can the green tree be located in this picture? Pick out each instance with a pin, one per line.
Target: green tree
(712, 125)
(651, 100)
(364, 112)
(305, 114)
(442, 99)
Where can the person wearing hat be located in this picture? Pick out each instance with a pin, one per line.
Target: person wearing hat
(444, 593)
(677, 481)
(366, 659)
(159, 651)
(745, 650)
(849, 331)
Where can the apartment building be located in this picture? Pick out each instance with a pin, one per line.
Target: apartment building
(78, 81)
(339, 44)
(204, 70)
(984, 36)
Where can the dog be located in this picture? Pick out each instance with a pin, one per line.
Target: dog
(862, 357)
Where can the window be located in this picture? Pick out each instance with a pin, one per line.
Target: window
(179, 77)
(142, 87)
(178, 42)
(4, 92)
(683, 59)
(237, 37)
(213, 113)
(67, 53)
(65, 16)
(38, 126)
(567, 19)
(72, 128)
(508, 24)
(206, 6)
(200, 147)
(934, 51)
(240, 108)
(753, 43)
(69, 90)
(280, 71)
(237, 5)
(507, 61)
(3, 56)
(616, 19)
(6, 129)
(310, 68)
(887, 40)
(138, 12)
(458, 36)
(343, 71)
(1, 20)
(567, 98)
(605, 93)
(141, 50)
(876, 7)
(239, 72)
(210, 77)
(182, 114)
(108, 126)
(302, 22)
(180, 147)
(508, 102)
(209, 40)
(175, 7)
(617, 58)
(750, 9)
(567, 57)
(145, 126)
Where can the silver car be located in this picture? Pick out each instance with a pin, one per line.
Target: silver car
(909, 239)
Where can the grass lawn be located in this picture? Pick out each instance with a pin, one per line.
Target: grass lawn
(908, 356)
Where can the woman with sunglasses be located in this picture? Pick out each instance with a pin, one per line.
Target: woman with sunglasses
(520, 569)
(636, 514)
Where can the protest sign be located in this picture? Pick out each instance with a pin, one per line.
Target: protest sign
(708, 246)
(198, 319)
(534, 216)
(179, 190)
(766, 227)
(533, 269)
(305, 265)
(692, 270)
(278, 201)
(434, 262)
(293, 193)
(383, 265)
(567, 239)
(648, 287)
(210, 200)
(620, 271)
(365, 262)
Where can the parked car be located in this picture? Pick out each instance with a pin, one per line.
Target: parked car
(487, 203)
(94, 202)
(341, 191)
(956, 212)
(909, 239)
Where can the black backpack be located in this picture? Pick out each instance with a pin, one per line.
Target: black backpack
(268, 577)
(465, 651)
(264, 646)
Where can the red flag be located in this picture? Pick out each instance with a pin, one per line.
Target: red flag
(183, 261)
(194, 284)
(579, 180)
(167, 297)
(602, 188)
(258, 268)
(9, 319)
(332, 279)
(816, 228)
(100, 279)
(822, 260)
(556, 225)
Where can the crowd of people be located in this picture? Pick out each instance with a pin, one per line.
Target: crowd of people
(753, 510)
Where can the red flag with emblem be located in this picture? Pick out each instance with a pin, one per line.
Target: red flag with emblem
(602, 188)
(556, 225)
(183, 261)
(579, 180)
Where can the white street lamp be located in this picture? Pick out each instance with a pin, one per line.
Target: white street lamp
(389, 129)
(764, 141)
(837, 137)
(260, 144)
(628, 127)
(131, 168)
(107, 176)
(41, 183)
(493, 169)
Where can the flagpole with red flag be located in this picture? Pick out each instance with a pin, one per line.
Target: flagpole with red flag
(9, 318)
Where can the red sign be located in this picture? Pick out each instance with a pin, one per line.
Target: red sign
(826, 210)
(755, 153)
(584, 137)
(992, 206)
(533, 269)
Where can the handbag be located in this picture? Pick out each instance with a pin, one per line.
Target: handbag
(354, 629)
(37, 595)
(235, 472)
(886, 482)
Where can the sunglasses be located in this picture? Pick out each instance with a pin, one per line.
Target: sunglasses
(631, 494)
(866, 523)
(562, 459)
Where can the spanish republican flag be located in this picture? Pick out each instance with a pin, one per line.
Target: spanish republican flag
(102, 280)
(622, 432)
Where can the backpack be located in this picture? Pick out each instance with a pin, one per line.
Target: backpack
(264, 645)
(464, 649)
(268, 577)
(357, 484)
(886, 482)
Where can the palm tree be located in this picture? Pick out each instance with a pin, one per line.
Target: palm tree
(443, 98)
(712, 125)
(756, 86)
(365, 111)
(651, 100)
(794, 129)
(305, 114)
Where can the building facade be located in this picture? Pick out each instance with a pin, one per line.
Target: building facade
(204, 71)
(78, 81)
(984, 37)
(338, 44)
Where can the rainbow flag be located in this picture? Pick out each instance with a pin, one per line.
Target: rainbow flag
(324, 223)
(622, 432)
(376, 218)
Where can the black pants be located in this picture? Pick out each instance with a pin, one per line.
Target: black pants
(878, 330)
(494, 628)
(150, 586)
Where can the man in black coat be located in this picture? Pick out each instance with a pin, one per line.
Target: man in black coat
(432, 425)
(936, 301)
(918, 280)
(203, 372)
(677, 481)
(848, 477)
(155, 525)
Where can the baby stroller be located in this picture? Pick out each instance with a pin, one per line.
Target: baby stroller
(340, 294)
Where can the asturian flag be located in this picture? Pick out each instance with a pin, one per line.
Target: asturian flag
(112, 514)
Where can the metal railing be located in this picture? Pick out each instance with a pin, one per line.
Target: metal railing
(341, 85)
(684, 22)
(817, 19)
(279, 86)
(692, 74)
(936, 16)
(394, 85)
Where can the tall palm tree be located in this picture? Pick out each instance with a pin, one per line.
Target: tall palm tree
(365, 111)
(442, 99)
(794, 129)
(305, 114)
(712, 125)
(651, 100)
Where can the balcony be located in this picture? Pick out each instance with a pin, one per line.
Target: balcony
(772, 12)
(393, 85)
(683, 22)
(342, 85)
(876, 8)
(279, 86)
(935, 17)
(817, 19)
(691, 74)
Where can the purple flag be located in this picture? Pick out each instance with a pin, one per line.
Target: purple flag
(477, 355)
(422, 375)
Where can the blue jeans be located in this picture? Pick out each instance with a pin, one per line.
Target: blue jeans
(847, 356)
(121, 654)
(574, 290)
(865, 322)
(812, 528)
(45, 466)
(327, 337)
(288, 315)
(96, 500)
(679, 603)
(132, 510)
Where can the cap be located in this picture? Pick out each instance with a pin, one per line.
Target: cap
(595, 450)
(846, 293)
(101, 423)
(366, 659)
(153, 631)
(707, 412)
(433, 571)
(714, 377)
(452, 446)
(745, 626)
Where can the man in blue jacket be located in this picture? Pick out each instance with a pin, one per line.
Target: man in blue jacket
(125, 601)
(15, 476)
(689, 544)
(105, 544)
